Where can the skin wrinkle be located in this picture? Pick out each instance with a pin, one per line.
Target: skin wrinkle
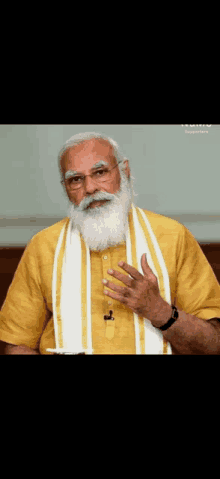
(85, 155)
(71, 173)
(83, 143)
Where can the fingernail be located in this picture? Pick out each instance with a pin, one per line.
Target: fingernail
(110, 271)
(121, 263)
(104, 281)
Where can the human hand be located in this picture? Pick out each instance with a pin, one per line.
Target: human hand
(141, 293)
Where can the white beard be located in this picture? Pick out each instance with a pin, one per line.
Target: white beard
(104, 226)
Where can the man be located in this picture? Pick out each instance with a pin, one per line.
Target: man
(111, 278)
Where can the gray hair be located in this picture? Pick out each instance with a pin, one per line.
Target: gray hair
(81, 137)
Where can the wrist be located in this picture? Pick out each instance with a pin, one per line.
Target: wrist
(164, 316)
(172, 320)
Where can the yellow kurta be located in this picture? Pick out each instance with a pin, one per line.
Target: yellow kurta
(27, 314)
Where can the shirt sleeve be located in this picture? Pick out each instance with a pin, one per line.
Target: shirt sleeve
(24, 313)
(197, 288)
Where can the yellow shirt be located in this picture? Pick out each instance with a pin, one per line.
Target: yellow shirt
(27, 314)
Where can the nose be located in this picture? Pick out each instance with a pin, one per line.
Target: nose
(90, 187)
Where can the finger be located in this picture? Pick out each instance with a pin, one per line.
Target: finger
(146, 268)
(121, 277)
(118, 289)
(144, 264)
(130, 270)
(116, 296)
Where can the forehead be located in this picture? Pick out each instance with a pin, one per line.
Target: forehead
(85, 155)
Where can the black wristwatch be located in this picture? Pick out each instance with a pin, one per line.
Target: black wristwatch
(172, 320)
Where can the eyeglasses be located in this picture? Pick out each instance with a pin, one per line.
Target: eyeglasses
(100, 176)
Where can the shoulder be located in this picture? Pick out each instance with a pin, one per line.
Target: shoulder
(163, 225)
(44, 243)
(173, 236)
(52, 232)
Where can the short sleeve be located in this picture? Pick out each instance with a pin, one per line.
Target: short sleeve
(197, 288)
(24, 313)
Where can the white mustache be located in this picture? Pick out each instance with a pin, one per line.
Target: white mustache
(100, 196)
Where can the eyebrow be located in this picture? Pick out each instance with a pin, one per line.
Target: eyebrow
(72, 173)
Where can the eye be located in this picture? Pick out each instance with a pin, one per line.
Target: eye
(101, 172)
(75, 179)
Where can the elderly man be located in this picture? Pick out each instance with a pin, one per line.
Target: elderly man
(111, 278)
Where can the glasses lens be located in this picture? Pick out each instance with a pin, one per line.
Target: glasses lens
(99, 176)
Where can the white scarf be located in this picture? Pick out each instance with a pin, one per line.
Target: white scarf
(71, 285)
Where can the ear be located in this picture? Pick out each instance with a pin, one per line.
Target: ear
(127, 169)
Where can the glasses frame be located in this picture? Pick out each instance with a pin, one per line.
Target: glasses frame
(84, 176)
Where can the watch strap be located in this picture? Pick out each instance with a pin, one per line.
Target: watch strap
(172, 320)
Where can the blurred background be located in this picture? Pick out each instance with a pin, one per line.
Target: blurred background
(176, 170)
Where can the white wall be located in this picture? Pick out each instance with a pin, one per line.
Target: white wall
(176, 173)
